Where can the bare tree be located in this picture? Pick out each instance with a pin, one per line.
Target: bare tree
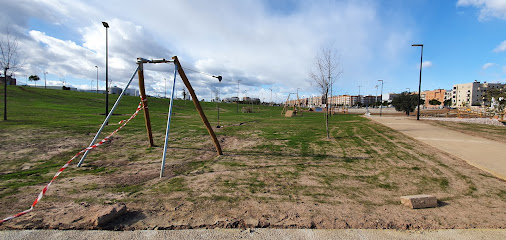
(325, 72)
(10, 59)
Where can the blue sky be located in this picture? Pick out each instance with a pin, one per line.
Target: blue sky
(265, 44)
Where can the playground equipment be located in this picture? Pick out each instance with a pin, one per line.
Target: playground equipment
(143, 104)
(140, 72)
(295, 111)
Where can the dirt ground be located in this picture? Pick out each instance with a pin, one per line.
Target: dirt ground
(355, 187)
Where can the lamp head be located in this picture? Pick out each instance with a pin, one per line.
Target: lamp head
(218, 77)
(417, 45)
(106, 25)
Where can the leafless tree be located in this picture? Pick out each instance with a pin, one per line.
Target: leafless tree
(324, 73)
(10, 60)
(216, 92)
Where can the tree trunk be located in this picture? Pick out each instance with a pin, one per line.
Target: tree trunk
(327, 115)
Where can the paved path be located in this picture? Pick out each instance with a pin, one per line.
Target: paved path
(482, 153)
(263, 233)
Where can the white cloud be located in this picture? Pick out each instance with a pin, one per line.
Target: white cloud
(238, 40)
(488, 8)
(488, 65)
(426, 64)
(501, 47)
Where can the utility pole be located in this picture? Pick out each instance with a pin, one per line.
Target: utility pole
(238, 81)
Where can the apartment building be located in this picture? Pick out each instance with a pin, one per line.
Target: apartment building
(472, 94)
(438, 94)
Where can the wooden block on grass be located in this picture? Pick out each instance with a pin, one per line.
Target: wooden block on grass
(289, 113)
(419, 201)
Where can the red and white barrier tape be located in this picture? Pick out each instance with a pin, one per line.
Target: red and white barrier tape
(41, 194)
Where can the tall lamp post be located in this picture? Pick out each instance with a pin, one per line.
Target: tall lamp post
(219, 100)
(97, 77)
(420, 81)
(45, 82)
(106, 25)
(381, 96)
(359, 99)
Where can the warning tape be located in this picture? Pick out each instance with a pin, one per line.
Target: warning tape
(41, 194)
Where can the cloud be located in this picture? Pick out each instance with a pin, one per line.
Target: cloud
(488, 65)
(488, 8)
(239, 40)
(501, 47)
(426, 64)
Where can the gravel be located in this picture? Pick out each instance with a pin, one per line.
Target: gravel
(469, 120)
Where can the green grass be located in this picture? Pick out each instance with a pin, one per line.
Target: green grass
(276, 158)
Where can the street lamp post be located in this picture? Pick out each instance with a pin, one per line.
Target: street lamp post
(106, 25)
(219, 100)
(238, 81)
(420, 80)
(381, 97)
(97, 77)
(376, 95)
(359, 99)
(45, 82)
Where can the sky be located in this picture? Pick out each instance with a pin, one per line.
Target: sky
(264, 44)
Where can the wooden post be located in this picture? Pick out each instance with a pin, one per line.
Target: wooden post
(197, 104)
(142, 91)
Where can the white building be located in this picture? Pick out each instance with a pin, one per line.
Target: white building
(471, 94)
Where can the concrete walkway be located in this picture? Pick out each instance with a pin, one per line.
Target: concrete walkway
(263, 233)
(482, 153)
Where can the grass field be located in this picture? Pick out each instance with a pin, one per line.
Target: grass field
(275, 171)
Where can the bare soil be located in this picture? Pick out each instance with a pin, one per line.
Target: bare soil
(355, 184)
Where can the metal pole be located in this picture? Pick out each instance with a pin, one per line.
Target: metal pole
(376, 94)
(420, 80)
(238, 95)
(420, 86)
(97, 78)
(45, 81)
(381, 100)
(359, 99)
(168, 120)
(219, 101)
(108, 116)
(106, 25)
